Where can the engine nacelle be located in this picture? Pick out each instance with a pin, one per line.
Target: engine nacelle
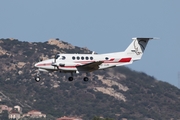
(61, 65)
(44, 70)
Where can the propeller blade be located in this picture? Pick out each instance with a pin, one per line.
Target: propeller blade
(55, 57)
(40, 59)
(57, 67)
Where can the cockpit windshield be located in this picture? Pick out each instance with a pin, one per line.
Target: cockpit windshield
(57, 56)
(63, 57)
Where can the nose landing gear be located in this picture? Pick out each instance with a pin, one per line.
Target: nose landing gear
(37, 78)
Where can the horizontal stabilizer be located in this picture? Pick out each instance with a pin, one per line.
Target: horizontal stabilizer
(141, 38)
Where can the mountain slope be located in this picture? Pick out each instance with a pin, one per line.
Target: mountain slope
(116, 93)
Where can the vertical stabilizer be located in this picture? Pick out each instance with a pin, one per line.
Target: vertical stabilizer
(137, 48)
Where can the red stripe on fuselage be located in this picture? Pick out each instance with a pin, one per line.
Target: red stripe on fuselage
(68, 67)
(44, 64)
(125, 60)
(111, 59)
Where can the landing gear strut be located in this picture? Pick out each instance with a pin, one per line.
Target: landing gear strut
(86, 78)
(37, 78)
(71, 78)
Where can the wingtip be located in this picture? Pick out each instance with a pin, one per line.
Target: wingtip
(156, 38)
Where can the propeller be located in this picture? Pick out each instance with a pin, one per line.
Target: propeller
(54, 63)
(40, 59)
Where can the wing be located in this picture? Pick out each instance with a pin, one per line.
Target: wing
(90, 66)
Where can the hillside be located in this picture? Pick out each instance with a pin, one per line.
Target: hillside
(115, 93)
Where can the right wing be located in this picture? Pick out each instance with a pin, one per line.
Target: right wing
(90, 66)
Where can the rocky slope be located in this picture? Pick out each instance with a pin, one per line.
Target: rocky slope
(118, 93)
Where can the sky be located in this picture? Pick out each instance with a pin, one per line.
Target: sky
(102, 26)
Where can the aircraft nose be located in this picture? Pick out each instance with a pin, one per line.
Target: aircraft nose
(36, 65)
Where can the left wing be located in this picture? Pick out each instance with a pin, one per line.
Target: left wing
(90, 66)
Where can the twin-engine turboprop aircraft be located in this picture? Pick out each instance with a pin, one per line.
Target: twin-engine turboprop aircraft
(78, 63)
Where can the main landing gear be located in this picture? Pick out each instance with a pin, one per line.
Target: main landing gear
(85, 79)
(71, 78)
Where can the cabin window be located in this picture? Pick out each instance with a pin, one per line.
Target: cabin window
(87, 58)
(106, 58)
(73, 58)
(82, 58)
(78, 57)
(91, 58)
(63, 57)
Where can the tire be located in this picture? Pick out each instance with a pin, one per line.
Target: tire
(37, 79)
(70, 78)
(86, 79)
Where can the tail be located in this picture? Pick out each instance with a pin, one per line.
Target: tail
(136, 49)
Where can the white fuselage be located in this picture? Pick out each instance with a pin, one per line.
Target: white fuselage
(91, 62)
(70, 62)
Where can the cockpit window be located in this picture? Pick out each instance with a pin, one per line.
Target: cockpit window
(106, 58)
(57, 56)
(63, 57)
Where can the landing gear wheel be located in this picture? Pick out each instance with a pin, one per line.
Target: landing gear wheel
(70, 78)
(37, 79)
(86, 79)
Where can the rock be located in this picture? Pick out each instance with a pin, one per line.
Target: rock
(60, 44)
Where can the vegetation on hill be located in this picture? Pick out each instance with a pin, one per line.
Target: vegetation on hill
(113, 93)
(99, 118)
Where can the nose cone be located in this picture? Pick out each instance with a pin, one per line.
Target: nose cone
(36, 65)
(46, 64)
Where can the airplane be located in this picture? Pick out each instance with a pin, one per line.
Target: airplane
(85, 63)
